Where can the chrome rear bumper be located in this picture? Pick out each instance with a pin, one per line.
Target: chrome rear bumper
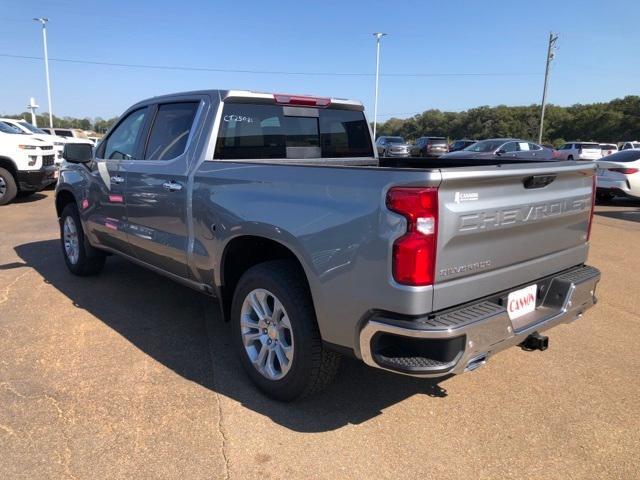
(462, 339)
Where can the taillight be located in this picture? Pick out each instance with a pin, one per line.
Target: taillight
(414, 254)
(284, 99)
(593, 206)
(626, 171)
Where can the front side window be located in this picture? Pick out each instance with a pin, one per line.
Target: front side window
(249, 131)
(170, 130)
(122, 142)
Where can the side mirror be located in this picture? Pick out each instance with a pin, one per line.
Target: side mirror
(501, 151)
(77, 152)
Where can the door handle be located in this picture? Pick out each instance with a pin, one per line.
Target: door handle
(117, 179)
(172, 186)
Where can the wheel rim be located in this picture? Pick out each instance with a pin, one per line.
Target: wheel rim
(70, 237)
(3, 187)
(267, 335)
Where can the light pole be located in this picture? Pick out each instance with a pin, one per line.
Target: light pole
(378, 36)
(550, 55)
(44, 21)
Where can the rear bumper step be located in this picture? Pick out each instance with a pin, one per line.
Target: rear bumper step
(463, 338)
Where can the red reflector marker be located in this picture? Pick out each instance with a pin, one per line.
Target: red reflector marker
(626, 171)
(301, 100)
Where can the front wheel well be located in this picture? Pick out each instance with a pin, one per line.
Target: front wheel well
(8, 165)
(241, 254)
(63, 198)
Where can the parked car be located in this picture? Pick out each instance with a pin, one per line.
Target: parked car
(392, 147)
(619, 174)
(608, 148)
(253, 198)
(457, 145)
(429, 147)
(630, 145)
(69, 133)
(28, 129)
(505, 149)
(26, 164)
(580, 151)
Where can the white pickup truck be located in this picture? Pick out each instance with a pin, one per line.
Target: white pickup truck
(26, 164)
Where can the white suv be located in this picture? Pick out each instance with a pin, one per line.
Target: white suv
(27, 128)
(26, 164)
(630, 145)
(580, 151)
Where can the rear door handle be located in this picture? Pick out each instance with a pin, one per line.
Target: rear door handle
(117, 179)
(172, 186)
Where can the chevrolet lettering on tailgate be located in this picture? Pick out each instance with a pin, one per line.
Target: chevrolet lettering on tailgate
(490, 219)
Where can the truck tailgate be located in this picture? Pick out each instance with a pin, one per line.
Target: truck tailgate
(503, 226)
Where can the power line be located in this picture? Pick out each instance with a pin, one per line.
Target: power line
(273, 72)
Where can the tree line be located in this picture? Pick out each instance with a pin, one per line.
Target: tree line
(97, 124)
(614, 121)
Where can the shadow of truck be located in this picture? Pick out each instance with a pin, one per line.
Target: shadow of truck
(182, 329)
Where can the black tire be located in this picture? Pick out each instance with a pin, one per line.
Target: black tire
(313, 366)
(570, 157)
(604, 196)
(90, 261)
(9, 188)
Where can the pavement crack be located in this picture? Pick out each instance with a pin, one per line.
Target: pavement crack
(220, 424)
(4, 295)
(65, 459)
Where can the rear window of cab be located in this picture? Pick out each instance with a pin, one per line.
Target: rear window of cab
(250, 131)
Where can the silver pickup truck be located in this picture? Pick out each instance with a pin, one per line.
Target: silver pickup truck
(315, 248)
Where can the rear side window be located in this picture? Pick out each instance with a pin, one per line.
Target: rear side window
(251, 132)
(170, 130)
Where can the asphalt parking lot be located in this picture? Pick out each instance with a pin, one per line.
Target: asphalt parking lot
(128, 375)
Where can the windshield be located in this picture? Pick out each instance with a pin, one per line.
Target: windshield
(636, 145)
(31, 128)
(395, 139)
(485, 146)
(6, 128)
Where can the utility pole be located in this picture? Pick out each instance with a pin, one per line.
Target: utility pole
(32, 108)
(44, 21)
(550, 54)
(378, 36)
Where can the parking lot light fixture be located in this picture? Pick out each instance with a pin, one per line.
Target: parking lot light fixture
(43, 21)
(378, 36)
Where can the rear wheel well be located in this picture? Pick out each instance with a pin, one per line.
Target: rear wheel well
(241, 254)
(63, 198)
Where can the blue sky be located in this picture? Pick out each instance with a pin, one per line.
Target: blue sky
(597, 58)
